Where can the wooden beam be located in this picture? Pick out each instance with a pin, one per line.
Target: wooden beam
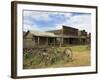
(60, 42)
(34, 40)
(47, 41)
(54, 41)
(38, 41)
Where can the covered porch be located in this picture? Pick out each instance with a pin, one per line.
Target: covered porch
(58, 41)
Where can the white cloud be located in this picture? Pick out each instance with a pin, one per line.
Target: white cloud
(80, 21)
(59, 26)
(30, 27)
(68, 15)
(44, 15)
(37, 15)
(27, 13)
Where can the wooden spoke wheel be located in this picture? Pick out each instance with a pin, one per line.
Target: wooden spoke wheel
(68, 54)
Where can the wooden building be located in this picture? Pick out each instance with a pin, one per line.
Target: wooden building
(37, 38)
(71, 35)
(66, 35)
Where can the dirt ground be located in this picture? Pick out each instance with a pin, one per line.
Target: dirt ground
(81, 57)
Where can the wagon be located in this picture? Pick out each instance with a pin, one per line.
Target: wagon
(50, 55)
(53, 54)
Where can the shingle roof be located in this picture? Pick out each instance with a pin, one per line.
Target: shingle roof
(41, 33)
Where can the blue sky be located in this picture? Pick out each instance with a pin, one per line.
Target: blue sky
(45, 21)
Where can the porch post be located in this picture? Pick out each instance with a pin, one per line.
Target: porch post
(47, 41)
(54, 41)
(34, 40)
(68, 40)
(60, 41)
(38, 40)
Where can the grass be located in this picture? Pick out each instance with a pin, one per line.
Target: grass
(81, 57)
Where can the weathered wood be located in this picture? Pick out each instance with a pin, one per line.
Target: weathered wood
(47, 41)
(38, 41)
(54, 41)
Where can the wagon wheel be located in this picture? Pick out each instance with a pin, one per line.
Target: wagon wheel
(45, 57)
(67, 54)
(50, 59)
(51, 56)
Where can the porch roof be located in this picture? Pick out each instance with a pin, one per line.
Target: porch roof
(43, 34)
(49, 34)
